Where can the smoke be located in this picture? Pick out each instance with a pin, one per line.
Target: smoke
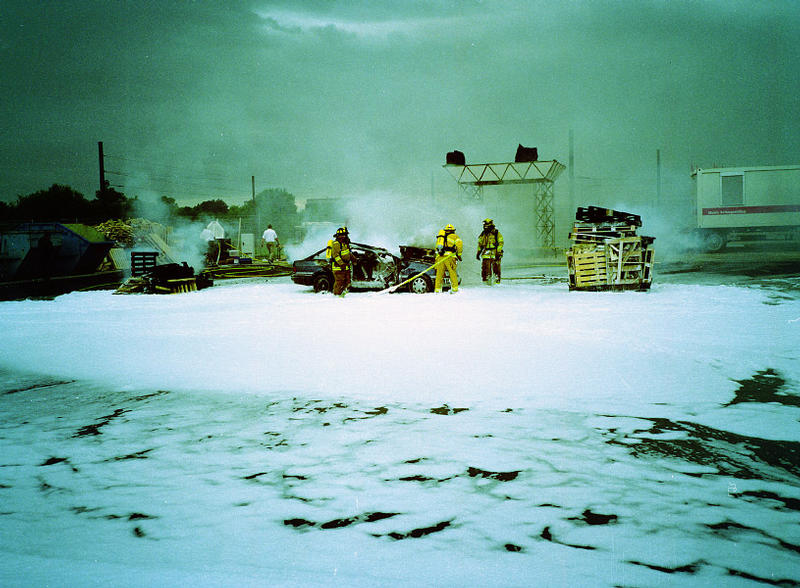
(388, 219)
(147, 204)
(669, 224)
(674, 236)
(188, 245)
(185, 238)
(316, 237)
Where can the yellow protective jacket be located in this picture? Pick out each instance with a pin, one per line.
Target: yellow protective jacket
(448, 243)
(490, 245)
(340, 255)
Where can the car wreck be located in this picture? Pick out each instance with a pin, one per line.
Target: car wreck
(374, 268)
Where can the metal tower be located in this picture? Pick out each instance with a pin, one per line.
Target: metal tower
(539, 174)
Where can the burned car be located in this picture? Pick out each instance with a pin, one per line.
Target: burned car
(374, 268)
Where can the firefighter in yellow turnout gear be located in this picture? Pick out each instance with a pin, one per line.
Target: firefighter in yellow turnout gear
(490, 251)
(341, 262)
(448, 248)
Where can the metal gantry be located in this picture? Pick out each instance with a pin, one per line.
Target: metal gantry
(539, 174)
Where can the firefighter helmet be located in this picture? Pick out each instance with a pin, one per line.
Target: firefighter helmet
(488, 222)
(450, 228)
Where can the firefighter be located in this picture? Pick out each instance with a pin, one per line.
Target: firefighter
(341, 262)
(490, 251)
(448, 249)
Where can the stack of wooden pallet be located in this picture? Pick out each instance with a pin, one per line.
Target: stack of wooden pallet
(607, 254)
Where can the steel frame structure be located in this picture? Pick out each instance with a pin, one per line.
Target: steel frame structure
(539, 174)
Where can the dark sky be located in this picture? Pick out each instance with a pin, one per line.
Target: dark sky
(330, 98)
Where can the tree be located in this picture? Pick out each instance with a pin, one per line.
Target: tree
(212, 208)
(276, 206)
(208, 208)
(247, 209)
(170, 204)
(109, 203)
(5, 210)
(187, 212)
(57, 203)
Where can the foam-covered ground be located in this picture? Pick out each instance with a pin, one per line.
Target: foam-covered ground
(259, 434)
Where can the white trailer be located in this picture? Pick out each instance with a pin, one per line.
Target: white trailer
(747, 204)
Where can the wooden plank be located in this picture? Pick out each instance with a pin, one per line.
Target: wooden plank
(590, 258)
(120, 258)
(159, 243)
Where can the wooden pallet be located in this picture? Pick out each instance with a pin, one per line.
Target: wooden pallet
(647, 268)
(142, 262)
(615, 264)
(599, 233)
(587, 266)
(624, 261)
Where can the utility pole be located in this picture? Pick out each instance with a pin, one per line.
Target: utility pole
(102, 167)
(572, 169)
(658, 177)
(258, 214)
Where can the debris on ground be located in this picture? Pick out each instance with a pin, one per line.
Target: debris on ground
(170, 278)
(134, 231)
(247, 269)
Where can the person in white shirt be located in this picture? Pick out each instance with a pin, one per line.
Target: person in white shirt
(270, 239)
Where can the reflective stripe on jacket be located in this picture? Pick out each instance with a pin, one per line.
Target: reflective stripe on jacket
(490, 245)
(340, 256)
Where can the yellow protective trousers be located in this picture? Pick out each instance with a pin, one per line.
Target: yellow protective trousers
(448, 264)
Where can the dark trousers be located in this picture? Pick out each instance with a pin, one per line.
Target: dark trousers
(341, 281)
(489, 266)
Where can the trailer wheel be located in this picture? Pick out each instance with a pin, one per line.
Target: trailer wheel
(714, 241)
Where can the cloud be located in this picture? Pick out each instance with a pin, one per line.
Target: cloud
(329, 98)
(293, 22)
(367, 26)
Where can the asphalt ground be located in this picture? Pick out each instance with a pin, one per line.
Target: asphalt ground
(747, 260)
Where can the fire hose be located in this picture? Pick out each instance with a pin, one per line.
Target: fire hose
(414, 277)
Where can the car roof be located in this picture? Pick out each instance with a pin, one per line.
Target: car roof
(362, 245)
(373, 247)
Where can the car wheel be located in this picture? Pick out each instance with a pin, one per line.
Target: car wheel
(322, 284)
(420, 285)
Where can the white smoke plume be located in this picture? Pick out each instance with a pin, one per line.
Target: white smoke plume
(185, 238)
(392, 218)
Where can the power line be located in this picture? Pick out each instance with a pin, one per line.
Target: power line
(195, 186)
(185, 183)
(165, 167)
(176, 181)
